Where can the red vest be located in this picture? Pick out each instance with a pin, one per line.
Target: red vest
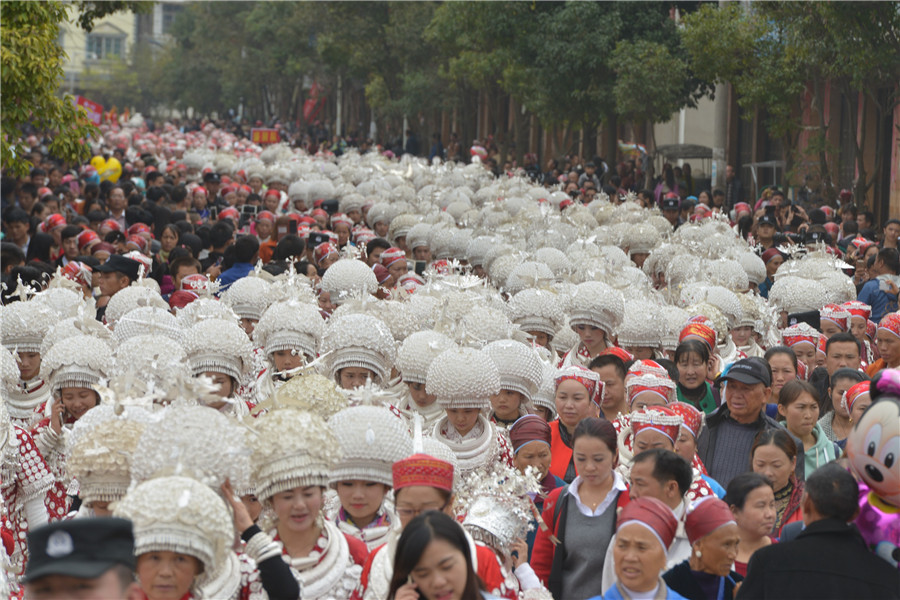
(561, 455)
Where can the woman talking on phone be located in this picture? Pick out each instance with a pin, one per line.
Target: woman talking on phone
(434, 562)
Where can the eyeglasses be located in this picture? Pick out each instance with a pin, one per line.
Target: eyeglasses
(409, 513)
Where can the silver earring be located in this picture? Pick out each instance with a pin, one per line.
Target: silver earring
(698, 554)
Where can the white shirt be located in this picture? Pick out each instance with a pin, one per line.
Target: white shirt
(618, 486)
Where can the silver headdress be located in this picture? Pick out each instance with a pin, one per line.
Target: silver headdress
(147, 320)
(597, 304)
(348, 279)
(24, 325)
(178, 514)
(134, 296)
(359, 340)
(463, 378)
(417, 352)
(79, 361)
(290, 325)
(498, 506)
(304, 455)
(518, 365)
(196, 441)
(248, 297)
(537, 310)
(218, 346)
(372, 439)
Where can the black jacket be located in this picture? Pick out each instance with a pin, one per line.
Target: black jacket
(829, 559)
(706, 442)
(680, 579)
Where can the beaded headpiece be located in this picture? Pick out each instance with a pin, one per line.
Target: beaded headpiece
(417, 352)
(309, 392)
(519, 366)
(463, 378)
(657, 418)
(589, 379)
(290, 325)
(348, 279)
(178, 514)
(372, 439)
(699, 331)
(134, 296)
(640, 327)
(596, 304)
(837, 314)
(692, 419)
(147, 320)
(198, 441)
(359, 340)
(498, 506)
(392, 255)
(24, 325)
(101, 460)
(536, 310)
(248, 297)
(648, 376)
(801, 333)
(218, 346)
(858, 309)
(890, 322)
(80, 361)
(424, 470)
(304, 455)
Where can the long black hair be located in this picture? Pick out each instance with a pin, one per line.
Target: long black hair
(416, 536)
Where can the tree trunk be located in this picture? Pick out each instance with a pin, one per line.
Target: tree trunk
(610, 141)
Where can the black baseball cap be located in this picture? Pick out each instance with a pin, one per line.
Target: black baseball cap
(748, 370)
(82, 548)
(119, 264)
(767, 220)
(212, 178)
(671, 204)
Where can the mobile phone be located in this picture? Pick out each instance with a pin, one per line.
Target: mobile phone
(316, 237)
(213, 213)
(419, 267)
(292, 227)
(330, 206)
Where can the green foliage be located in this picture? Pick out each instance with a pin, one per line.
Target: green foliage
(649, 82)
(31, 72)
(90, 11)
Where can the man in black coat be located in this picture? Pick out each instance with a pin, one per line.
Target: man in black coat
(829, 558)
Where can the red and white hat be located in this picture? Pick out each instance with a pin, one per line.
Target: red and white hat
(855, 393)
(424, 470)
(837, 314)
(699, 331)
(392, 255)
(858, 309)
(692, 419)
(890, 322)
(87, 239)
(801, 333)
(661, 419)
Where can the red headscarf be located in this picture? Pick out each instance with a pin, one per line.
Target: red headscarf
(708, 515)
(652, 514)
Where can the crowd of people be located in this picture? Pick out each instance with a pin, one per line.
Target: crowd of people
(238, 372)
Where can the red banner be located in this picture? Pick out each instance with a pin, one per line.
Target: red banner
(312, 106)
(94, 110)
(264, 136)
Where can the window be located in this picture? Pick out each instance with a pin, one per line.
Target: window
(104, 46)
